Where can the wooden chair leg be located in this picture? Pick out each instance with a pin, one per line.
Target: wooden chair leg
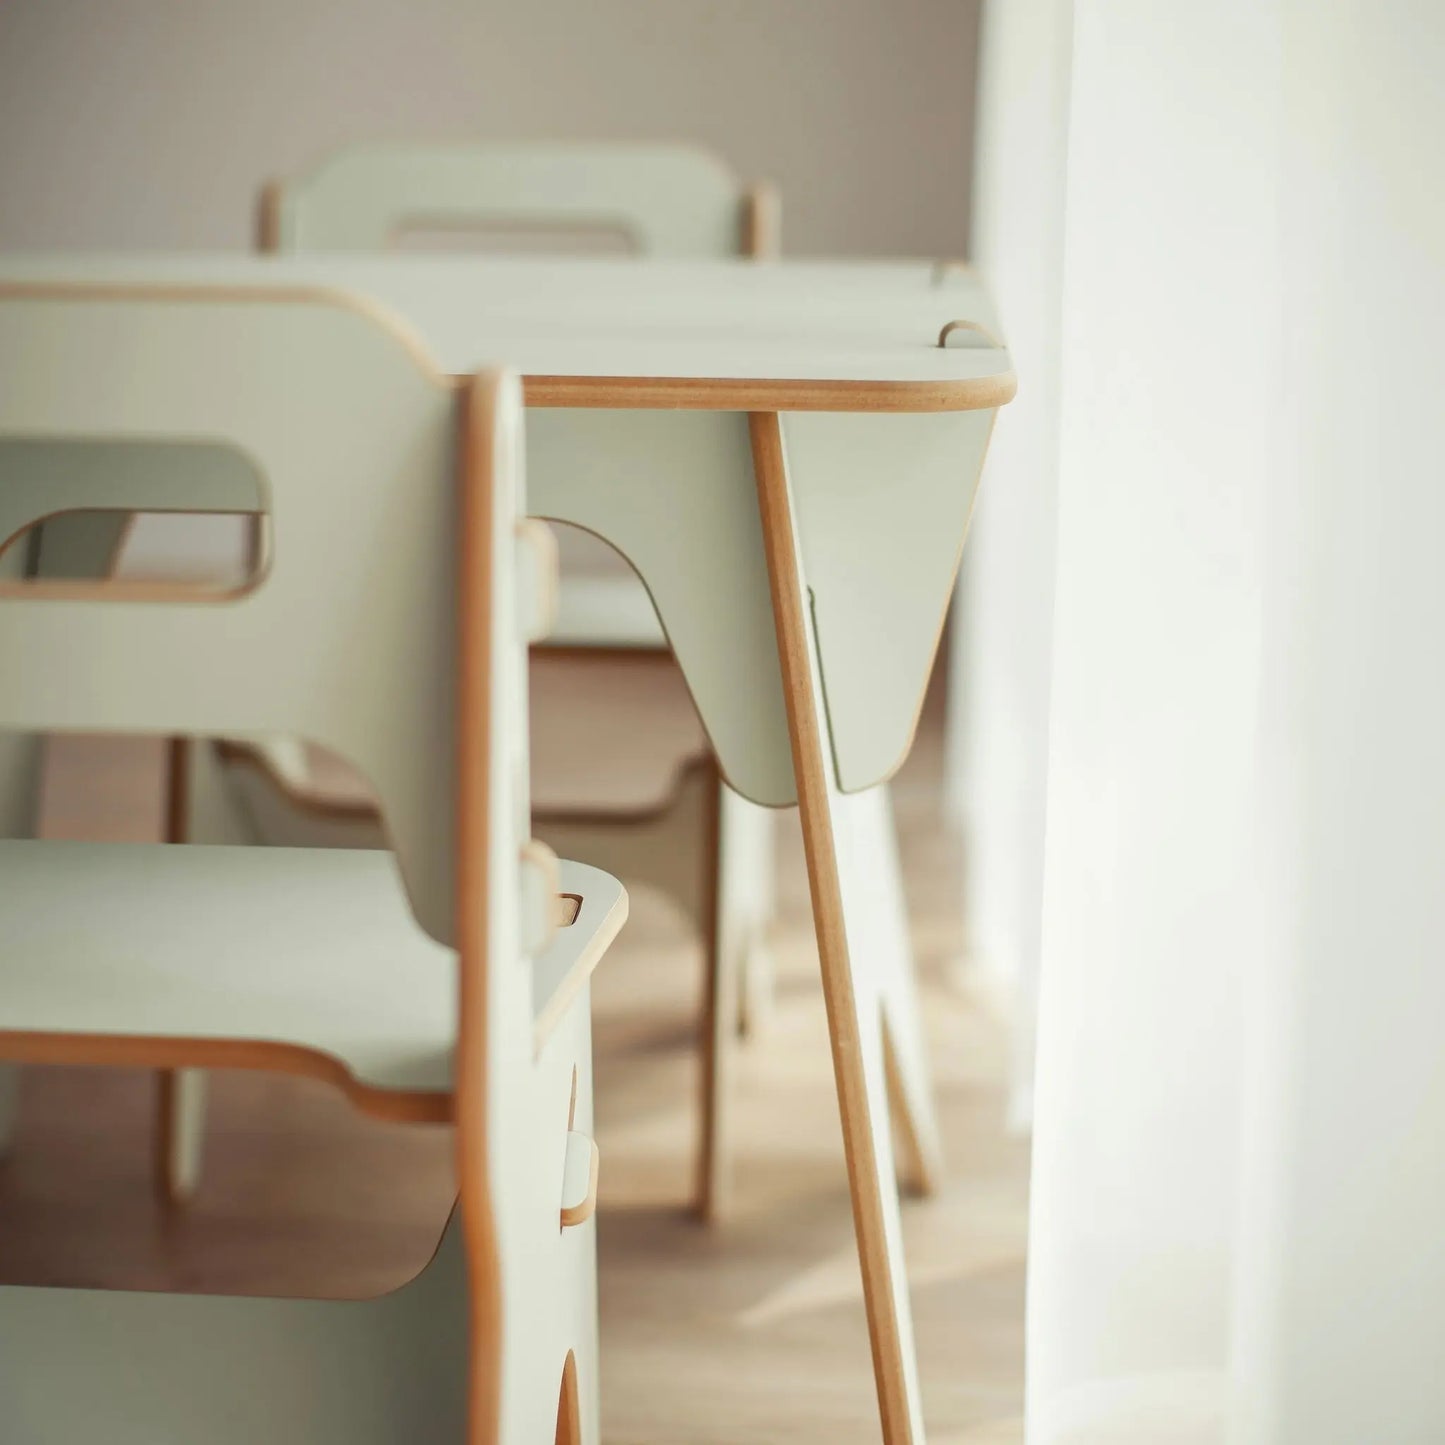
(833, 825)
(192, 780)
(739, 858)
(718, 1032)
(180, 1132)
(204, 806)
(20, 769)
(747, 866)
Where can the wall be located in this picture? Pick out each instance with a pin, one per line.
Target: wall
(151, 123)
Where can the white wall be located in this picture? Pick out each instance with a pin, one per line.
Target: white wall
(151, 122)
(1003, 620)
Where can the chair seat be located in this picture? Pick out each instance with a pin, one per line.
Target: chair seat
(611, 734)
(296, 960)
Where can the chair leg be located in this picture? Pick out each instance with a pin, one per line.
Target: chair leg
(180, 1132)
(20, 753)
(740, 859)
(9, 1105)
(747, 866)
(721, 990)
(204, 807)
(836, 827)
(199, 809)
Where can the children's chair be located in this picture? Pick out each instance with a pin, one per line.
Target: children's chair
(434, 982)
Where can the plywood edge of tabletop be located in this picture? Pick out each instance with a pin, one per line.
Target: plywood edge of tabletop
(770, 394)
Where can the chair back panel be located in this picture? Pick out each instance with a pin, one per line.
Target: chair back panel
(349, 637)
(668, 200)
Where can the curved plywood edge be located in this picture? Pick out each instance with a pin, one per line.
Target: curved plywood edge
(139, 1051)
(580, 1171)
(569, 1406)
(562, 970)
(229, 293)
(765, 394)
(126, 589)
(957, 334)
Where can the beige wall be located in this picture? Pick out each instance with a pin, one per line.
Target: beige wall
(151, 122)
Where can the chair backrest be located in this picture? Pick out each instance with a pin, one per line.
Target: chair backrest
(375, 474)
(669, 200)
(666, 200)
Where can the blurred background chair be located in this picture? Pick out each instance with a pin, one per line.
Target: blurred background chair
(658, 813)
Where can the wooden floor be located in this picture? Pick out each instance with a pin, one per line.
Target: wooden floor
(749, 1332)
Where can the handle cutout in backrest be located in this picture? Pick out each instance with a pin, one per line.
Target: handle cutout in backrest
(513, 235)
(186, 517)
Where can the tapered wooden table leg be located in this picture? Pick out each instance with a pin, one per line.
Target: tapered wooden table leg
(853, 982)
